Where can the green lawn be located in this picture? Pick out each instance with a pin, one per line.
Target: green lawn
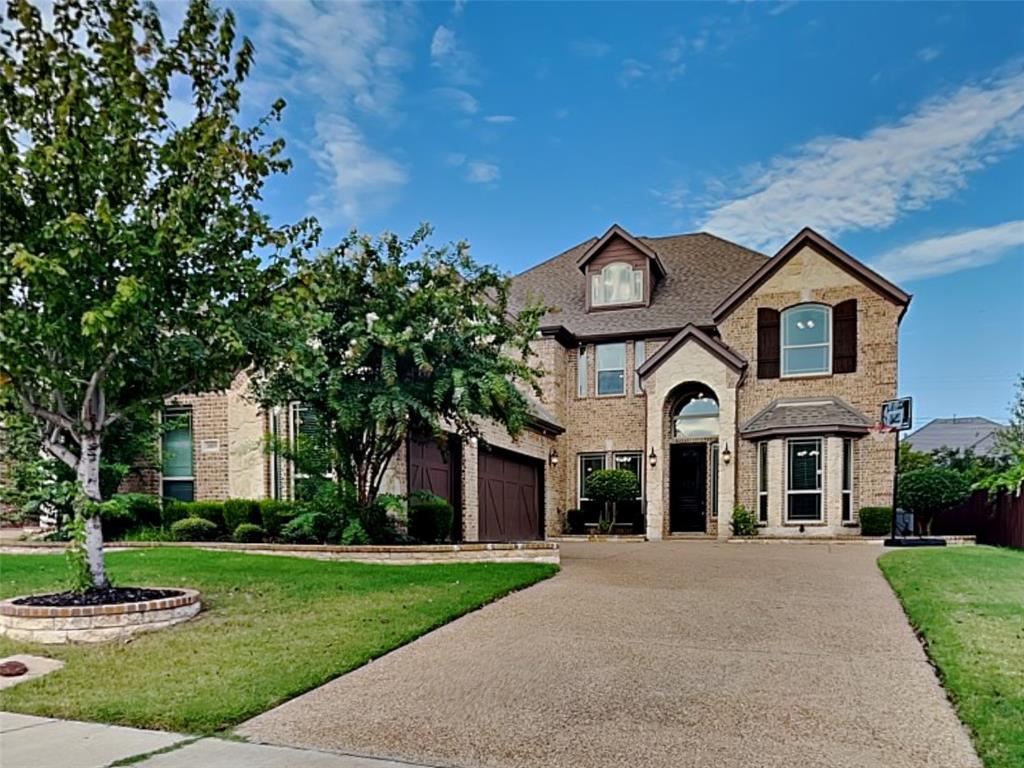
(968, 603)
(271, 628)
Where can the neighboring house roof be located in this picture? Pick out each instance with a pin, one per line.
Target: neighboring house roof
(701, 270)
(616, 231)
(808, 237)
(975, 433)
(717, 348)
(806, 416)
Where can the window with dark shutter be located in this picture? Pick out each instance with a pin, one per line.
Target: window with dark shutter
(767, 343)
(844, 345)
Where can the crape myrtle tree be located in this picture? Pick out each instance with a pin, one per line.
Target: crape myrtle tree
(390, 337)
(132, 248)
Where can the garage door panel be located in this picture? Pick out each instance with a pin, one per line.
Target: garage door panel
(508, 494)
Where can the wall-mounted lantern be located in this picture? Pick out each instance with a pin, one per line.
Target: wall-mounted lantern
(653, 458)
(726, 454)
(553, 457)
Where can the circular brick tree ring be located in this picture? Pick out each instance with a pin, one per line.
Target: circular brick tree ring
(95, 623)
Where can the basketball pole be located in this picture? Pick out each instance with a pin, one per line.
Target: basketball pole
(895, 485)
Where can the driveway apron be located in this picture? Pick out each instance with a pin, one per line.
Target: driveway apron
(679, 653)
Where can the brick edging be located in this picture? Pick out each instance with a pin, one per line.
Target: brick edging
(10, 608)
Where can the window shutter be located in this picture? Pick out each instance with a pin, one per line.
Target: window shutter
(768, 348)
(844, 337)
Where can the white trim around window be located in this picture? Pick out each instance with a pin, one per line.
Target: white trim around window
(847, 502)
(596, 461)
(611, 370)
(796, 322)
(762, 482)
(803, 480)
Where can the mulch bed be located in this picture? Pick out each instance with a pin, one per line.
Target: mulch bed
(109, 596)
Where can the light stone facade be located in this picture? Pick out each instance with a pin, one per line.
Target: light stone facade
(232, 460)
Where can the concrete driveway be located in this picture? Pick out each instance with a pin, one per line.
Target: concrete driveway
(685, 653)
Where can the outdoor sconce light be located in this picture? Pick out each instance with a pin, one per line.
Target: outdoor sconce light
(653, 458)
(553, 457)
(726, 454)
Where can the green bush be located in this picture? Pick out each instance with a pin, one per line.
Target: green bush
(274, 513)
(193, 529)
(148, 533)
(354, 534)
(574, 521)
(875, 521)
(238, 511)
(743, 522)
(430, 518)
(124, 511)
(173, 511)
(926, 492)
(308, 528)
(248, 532)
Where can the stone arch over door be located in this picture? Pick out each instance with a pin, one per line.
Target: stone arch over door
(690, 364)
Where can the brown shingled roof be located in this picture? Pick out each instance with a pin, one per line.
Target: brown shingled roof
(806, 416)
(702, 270)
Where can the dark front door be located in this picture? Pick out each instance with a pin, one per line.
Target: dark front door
(688, 487)
(509, 490)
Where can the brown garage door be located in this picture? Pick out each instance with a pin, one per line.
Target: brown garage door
(509, 497)
(434, 469)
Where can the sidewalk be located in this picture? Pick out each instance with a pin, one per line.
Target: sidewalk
(41, 742)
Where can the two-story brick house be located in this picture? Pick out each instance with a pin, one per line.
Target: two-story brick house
(718, 375)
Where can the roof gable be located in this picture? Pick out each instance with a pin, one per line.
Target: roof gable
(617, 232)
(692, 333)
(807, 237)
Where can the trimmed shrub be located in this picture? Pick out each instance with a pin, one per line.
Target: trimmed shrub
(248, 532)
(430, 518)
(926, 492)
(308, 528)
(193, 529)
(238, 511)
(274, 513)
(875, 521)
(208, 510)
(173, 511)
(124, 511)
(354, 534)
(743, 522)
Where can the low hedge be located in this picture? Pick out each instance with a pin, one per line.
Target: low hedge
(430, 518)
(276, 513)
(175, 510)
(875, 521)
(123, 512)
(193, 529)
(248, 532)
(239, 511)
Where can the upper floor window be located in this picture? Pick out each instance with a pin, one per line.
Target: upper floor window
(617, 283)
(807, 340)
(611, 369)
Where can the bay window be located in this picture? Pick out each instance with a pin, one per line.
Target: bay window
(847, 480)
(762, 482)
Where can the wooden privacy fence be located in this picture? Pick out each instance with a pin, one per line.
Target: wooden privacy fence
(995, 519)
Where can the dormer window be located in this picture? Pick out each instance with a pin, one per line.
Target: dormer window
(617, 283)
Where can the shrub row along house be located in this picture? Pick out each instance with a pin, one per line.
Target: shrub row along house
(719, 376)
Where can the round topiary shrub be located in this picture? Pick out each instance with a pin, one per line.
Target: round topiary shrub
(193, 529)
(248, 532)
(926, 492)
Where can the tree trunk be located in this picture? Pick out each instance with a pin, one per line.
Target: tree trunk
(89, 483)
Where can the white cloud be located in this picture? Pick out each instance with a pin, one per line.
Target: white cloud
(343, 62)
(357, 176)
(632, 71)
(837, 183)
(457, 64)
(483, 173)
(500, 119)
(929, 53)
(781, 7)
(457, 99)
(590, 48)
(951, 253)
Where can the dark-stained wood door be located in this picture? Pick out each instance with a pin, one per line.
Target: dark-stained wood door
(509, 504)
(435, 470)
(688, 487)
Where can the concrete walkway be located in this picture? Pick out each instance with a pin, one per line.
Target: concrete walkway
(659, 654)
(40, 742)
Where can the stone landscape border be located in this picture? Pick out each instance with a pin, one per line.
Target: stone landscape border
(406, 554)
(53, 625)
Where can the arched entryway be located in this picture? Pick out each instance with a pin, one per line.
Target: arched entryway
(693, 425)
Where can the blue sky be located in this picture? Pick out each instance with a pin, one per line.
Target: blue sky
(897, 130)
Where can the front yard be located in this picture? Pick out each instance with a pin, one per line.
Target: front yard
(271, 628)
(968, 603)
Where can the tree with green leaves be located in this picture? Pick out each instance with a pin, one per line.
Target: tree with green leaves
(132, 247)
(928, 491)
(383, 338)
(609, 487)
